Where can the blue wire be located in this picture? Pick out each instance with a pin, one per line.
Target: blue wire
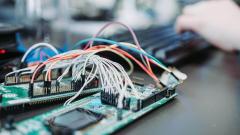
(20, 44)
(79, 43)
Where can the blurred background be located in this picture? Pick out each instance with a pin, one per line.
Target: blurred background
(64, 22)
(58, 21)
(209, 100)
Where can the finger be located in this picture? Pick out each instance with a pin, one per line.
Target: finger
(188, 10)
(197, 8)
(187, 23)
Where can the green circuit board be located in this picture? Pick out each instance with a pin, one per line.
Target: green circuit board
(17, 95)
(109, 123)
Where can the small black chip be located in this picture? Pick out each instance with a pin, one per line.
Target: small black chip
(73, 120)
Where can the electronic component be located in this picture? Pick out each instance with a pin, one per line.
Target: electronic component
(46, 88)
(120, 101)
(90, 116)
(112, 99)
(41, 91)
(154, 97)
(73, 120)
(23, 76)
(136, 104)
(22, 91)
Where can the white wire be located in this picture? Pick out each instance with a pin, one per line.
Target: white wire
(112, 76)
(37, 46)
(88, 80)
(131, 67)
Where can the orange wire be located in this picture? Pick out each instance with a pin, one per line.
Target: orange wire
(147, 70)
(51, 60)
(75, 55)
(129, 56)
(146, 58)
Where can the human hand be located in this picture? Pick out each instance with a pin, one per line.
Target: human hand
(216, 21)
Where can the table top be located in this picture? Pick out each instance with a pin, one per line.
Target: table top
(208, 102)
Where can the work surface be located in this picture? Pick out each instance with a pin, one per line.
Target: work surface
(208, 102)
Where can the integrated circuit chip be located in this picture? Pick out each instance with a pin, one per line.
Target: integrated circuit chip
(73, 120)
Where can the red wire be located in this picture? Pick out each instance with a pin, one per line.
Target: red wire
(149, 72)
(51, 60)
(129, 56)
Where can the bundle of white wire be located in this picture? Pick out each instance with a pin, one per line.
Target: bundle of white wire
(112, 76)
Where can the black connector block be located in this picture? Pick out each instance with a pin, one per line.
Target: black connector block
(30, 90)
(154, 98)
(57, 86)
(47, 87)
(109, 98)
(77, 85)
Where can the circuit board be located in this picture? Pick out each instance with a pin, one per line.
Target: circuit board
(18, 95)
(114, 99)
(105, 120)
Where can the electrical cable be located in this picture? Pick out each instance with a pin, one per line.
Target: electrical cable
(35, 46)
(131, 57)
(90, 43)
(123, 46)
